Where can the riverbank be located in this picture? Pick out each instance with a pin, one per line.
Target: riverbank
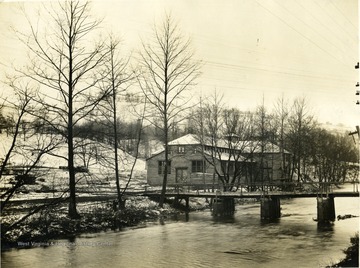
(351, 254)
(53, 223)
(242, 241)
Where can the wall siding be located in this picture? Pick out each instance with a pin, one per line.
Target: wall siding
(184, 160)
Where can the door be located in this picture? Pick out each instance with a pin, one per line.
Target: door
(181, 175)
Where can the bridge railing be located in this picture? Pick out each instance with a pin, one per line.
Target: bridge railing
(291, 187)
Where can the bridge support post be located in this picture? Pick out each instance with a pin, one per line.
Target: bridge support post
(223, 206)
(270, 208)
(325, 209)
(187, 203)
(176, 202)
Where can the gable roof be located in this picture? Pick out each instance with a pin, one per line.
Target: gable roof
(189, 139)
(244, 146)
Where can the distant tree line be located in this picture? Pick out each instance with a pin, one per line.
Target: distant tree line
(316, 153)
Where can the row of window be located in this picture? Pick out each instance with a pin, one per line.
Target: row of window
(181, 149)
(196, 166)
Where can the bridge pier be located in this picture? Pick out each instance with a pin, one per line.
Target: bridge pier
(177, 203)
(187, 203)
(270, 208)
(223, 206)
(325, 209)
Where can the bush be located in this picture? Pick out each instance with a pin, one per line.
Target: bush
(352, 254)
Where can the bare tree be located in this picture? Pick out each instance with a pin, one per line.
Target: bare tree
(67, 66)
(265, 132)
(168, 71)
(331, 156)
(20, 107)
(301, 121)
(225, 138)
(281, 114)
(117, 83)
(28, 155)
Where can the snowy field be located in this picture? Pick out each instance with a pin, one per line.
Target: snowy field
(94, 160)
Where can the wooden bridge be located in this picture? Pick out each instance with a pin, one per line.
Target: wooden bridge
(211, 190)
(184, 191)
(223, 201)
(256, 195)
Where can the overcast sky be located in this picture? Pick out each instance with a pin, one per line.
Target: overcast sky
(250, 48)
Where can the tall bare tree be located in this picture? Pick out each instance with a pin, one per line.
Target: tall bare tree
(265, 132)
(116, 83)
(225, 136)
(281, 114)
(301, 121)
(168, 71)
(67, 66)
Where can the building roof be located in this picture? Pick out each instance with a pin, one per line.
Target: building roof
(243, 146)
(189, 139)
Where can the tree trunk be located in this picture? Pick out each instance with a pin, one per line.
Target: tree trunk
(116, 148)
(72, 183)
(70, 139)
(163, 189)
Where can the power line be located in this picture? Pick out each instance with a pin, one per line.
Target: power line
(300, 83)
(313, 29)
(336, 22)
(249, 51)
(322, 24)
(338, 9)
(237, 66)
(301, 34)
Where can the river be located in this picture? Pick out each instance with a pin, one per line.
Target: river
(199, 240)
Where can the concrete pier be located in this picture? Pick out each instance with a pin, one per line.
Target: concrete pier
(223, 206)
(270, 208)
(177, 203)
(325, 209)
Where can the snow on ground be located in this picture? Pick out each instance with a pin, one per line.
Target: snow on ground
(95, 161)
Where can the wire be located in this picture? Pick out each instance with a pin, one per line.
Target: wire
(321, 65)
(301, 34)
(236, 66)
(338, 9)
(324, 25)
(336, 22)
(313, 29)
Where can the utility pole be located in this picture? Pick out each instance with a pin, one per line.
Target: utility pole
(357, 85)
(355, 185)
(357, 103)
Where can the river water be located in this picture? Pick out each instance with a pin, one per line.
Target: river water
(199, 240)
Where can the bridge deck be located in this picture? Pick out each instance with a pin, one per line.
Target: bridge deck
(106, 197)
(251, 194)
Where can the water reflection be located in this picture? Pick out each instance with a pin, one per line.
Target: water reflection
(325, 227)
(265, 222)
(224, 219)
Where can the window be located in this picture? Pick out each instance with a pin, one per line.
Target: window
(161, 167)
(181, 149)
(197, 166)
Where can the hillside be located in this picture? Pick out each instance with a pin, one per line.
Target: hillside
(95, 158)
(339, 129)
